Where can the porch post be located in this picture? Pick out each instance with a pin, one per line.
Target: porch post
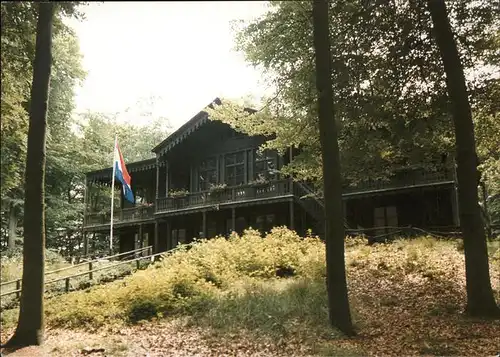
(204, 225)
(292, 217)
(155, 245)
(233, 219)
(192, 181)
(344, 212)
(141, 242)
(454, 198)
(157, 177)
(169, 235)
(454, 206)
(85, 198)
(167, 173)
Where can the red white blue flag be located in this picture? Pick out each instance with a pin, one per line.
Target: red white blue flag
(122, 174)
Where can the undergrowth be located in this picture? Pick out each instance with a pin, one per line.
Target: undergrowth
(11, 263)
(274, 284)
(211, 281)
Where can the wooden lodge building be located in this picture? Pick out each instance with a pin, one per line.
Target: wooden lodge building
(207, 180)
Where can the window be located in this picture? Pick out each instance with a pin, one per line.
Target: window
(385, 217)
(264, 166)
(235, 168)
(207, 173)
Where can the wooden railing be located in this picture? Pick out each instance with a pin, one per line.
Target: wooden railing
(89, 268)
(123, 215)
(67, 279)
(309, 201)
(406, 179)
(266, 190)
(230, 194)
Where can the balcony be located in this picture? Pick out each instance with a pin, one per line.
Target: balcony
(251, 192)
(234, 194)
(403, 180)
(135, 214)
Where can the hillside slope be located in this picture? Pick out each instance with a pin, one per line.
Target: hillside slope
(252, 296)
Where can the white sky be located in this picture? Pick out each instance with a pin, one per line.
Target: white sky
(179, 52)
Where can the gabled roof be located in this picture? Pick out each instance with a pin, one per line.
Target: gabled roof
(172, 140)
(184, 131)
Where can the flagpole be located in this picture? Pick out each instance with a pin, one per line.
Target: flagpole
(112, 197)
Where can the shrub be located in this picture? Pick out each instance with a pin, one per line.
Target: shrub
(191, 280)
(233, 282)
(141, 310)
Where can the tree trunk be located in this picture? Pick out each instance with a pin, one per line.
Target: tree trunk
(480, 300)
(338, 302)
(12, 226)
(29, 329)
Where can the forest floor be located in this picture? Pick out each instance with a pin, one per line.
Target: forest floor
(397, 312)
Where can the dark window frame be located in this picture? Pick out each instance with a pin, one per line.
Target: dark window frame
(230, 168)
(207, 174)
(270, 163)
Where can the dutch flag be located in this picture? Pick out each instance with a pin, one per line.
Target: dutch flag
(122, 175)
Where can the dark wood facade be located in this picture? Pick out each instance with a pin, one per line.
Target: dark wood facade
(209, 180)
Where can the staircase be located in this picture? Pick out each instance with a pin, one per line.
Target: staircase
(313, 205)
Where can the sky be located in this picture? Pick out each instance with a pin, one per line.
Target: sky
(180, 53)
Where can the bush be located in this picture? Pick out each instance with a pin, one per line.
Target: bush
(141, 310)
(233, 283)
(191, 280)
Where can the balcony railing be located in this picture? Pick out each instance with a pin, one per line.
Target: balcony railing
(124, 215)
(403, 180)
(230, 194)
(243, 193)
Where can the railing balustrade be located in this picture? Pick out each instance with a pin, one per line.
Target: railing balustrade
(124, 215)
(230, 194)
(254, 191)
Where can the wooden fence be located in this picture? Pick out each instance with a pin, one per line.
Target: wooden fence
(145, 253)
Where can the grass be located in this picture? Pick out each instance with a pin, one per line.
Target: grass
(274, 288)
(273, 308)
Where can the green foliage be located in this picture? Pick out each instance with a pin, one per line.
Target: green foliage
(231, 285)
(12, 263)
(277, 307)
(486, 110)
(390, 96)
(18, 36)
(97, 131)
(69, 153)
(191, 280)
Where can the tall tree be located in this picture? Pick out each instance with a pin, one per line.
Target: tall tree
(338, 302)
(480, 299)
(18, 30)
(390, 98)
(29, 329)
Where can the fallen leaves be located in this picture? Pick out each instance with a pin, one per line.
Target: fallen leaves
(406, 300)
